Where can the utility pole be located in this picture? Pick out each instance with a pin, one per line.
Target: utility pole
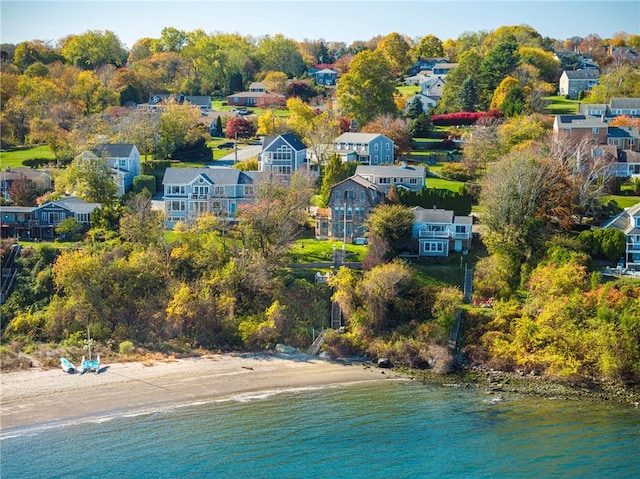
(235, 146)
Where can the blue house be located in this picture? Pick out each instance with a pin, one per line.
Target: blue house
(191, 192)
(439, 231)
(282, 155)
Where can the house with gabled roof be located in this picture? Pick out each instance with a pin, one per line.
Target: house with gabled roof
(624, 106)
(440, 231)
(432, 87)
(401, 176)
(364, 148)
(350, 202)
(122, 158)
(573, 82)
(40, 222)
(629, 223)
(35, 179)
(191, 192)
(325, 76)
(282, 155)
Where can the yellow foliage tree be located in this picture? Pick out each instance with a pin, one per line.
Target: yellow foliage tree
(500, 93)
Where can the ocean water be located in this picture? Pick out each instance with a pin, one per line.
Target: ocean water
(392, 429)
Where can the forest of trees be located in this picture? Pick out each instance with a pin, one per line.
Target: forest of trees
(217, 285)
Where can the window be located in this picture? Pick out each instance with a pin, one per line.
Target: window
(248, 190)
(122, 163)
(218, 190)
(176, 190)
(384, 181)
(595, 131)
(177, 206)
(349, 195)
(82, 217)
(388, 146)
(461, 229)
(433, 247)
(387, 158)
(413, 181)
(375, 147)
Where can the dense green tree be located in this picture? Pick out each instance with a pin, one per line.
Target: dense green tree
(428, 46)
(36, 51)
(94, 49)
(179, 126)
(502, 60)
(367, 90)
(333, 173)
(469, 66)
(280, 54)
(469, 97)
(415, 108)
(514, 102)
(421, 126)
(90, 178)
(622, 82)
(395, 49)
(393, 223)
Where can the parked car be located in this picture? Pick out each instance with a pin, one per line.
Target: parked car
(225, 146)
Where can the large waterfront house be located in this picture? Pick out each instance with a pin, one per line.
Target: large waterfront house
(40, 222)
(440, 232)
(629, 223)
(350, 202)
(122, 158)
(190, 192)
(402, 176)
(282, 155)
(364, 148)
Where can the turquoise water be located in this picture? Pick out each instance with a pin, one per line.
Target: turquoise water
(393, 429)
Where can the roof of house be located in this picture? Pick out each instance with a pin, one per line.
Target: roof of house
(361, 181)
(113, 150)
(74, 204)
(623, 132)
(435, 215)
(256, 85)
(325, 71)
(351, 137)
(582, 74)
(572, 121)
(17, 173)
(220, 175)
(620, 103)
(391, 170)
(624, 222)
(290, 138)
(248, 94)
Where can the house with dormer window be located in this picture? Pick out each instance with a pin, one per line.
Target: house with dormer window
(364, 148)
(191, 192)
(282, 155)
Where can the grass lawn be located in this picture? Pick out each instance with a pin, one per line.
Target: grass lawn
(16, 156)
(309, 250)
(408, 90)
(624, 201)
(216, 106)
(443, 184)
(559, 105)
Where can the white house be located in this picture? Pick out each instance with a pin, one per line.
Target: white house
(282, 155)
(384, 176)
(365, 148)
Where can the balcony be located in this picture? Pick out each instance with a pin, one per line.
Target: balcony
(199, 196)
(433, 234)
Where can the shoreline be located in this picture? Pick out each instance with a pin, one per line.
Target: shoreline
(38, 397)
(497, 382)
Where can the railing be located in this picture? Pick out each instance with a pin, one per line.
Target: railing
(633, 246)
(433, 234)
(198, 196)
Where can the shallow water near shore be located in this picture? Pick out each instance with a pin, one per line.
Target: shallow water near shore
(391, 429)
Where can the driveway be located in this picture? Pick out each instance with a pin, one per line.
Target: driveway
(244, 153)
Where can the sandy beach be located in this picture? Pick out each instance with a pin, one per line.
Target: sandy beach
(38, 396)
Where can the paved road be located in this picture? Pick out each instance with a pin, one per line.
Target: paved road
(244, 153)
